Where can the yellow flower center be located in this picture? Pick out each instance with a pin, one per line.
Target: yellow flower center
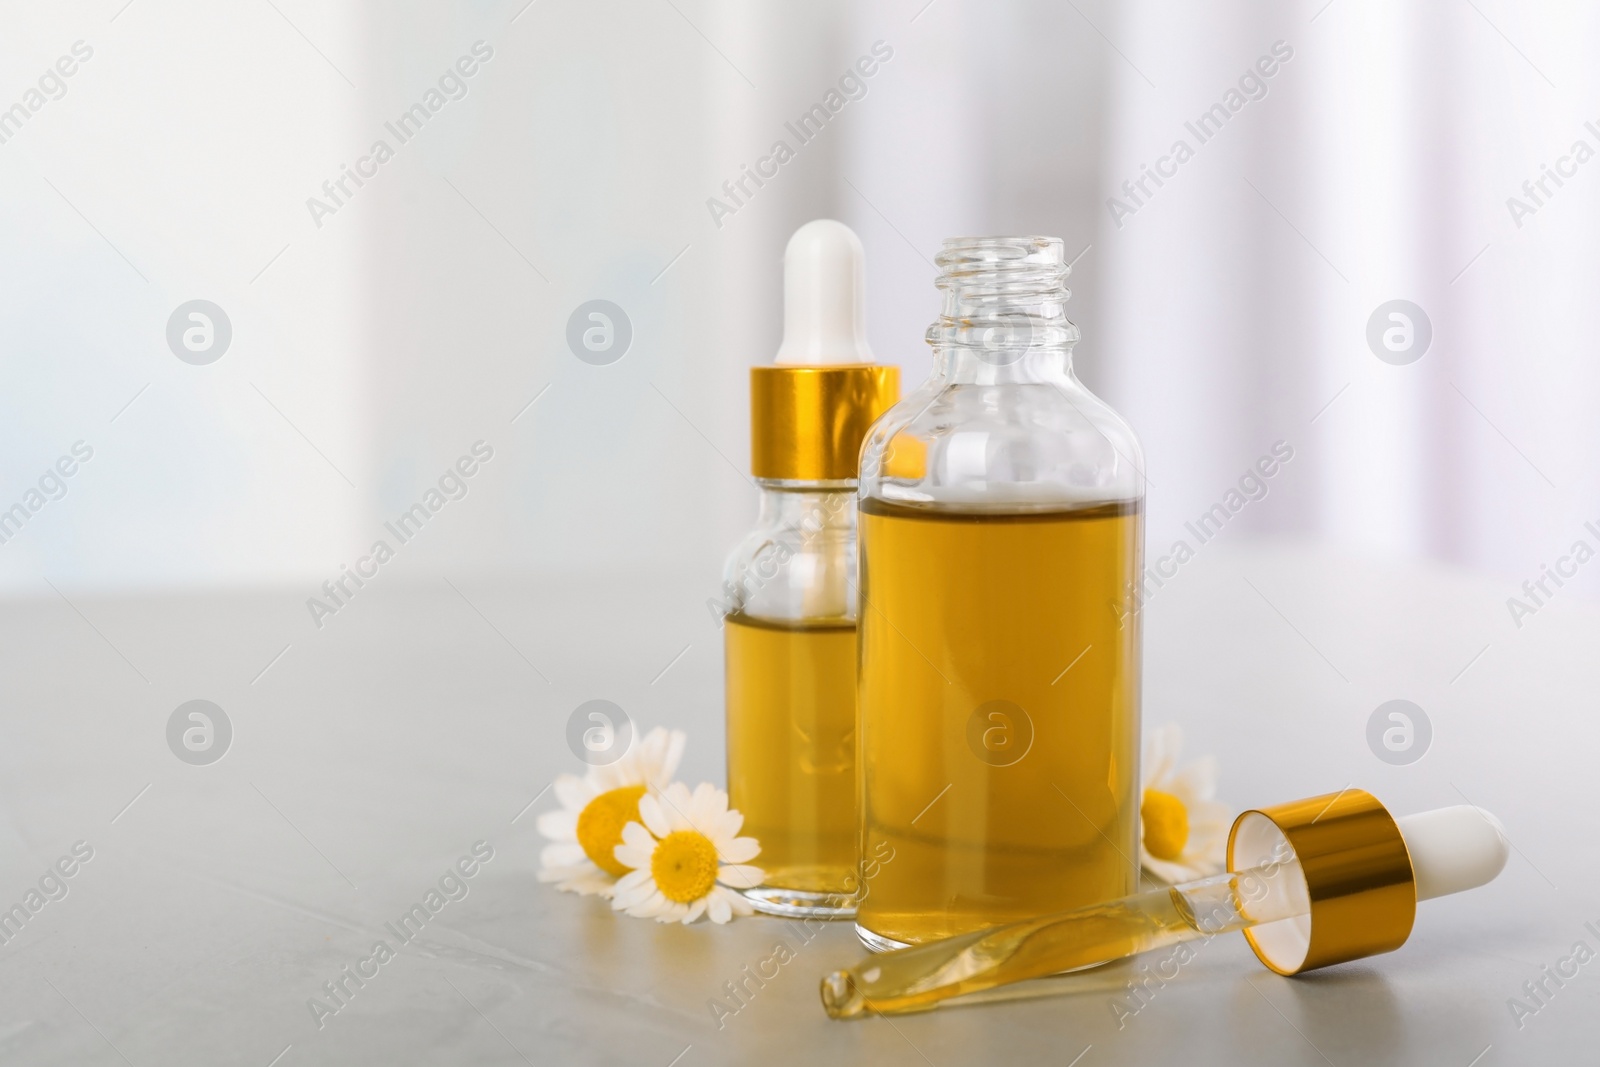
(600, 826)
(684, 866)
(1166, 824)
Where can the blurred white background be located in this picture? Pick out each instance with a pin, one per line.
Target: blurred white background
(373, 345)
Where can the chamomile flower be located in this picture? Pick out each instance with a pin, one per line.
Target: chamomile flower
(1183, 830)
(686, 857)
(586, 830)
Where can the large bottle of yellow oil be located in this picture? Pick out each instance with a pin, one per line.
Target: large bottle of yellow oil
(790, 587)
(1001, 530)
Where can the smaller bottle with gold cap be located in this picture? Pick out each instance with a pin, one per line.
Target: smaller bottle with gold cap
(790, 587)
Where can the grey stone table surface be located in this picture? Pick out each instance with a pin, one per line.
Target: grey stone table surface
(207, 905)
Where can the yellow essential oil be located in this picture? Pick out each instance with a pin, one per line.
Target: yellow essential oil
(789, 589)
(999, 697)
(917, 979)
(791, 702)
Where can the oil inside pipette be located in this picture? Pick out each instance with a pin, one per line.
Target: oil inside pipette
(918, 978)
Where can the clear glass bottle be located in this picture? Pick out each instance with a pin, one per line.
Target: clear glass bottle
(1001, 538)
(791, 695)
(790, 587)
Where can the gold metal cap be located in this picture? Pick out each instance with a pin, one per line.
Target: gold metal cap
(1358, 878)
(807, 422)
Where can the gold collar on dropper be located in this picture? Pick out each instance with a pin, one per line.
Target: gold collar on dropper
(807, 423)
(1360, 883)
(810, 411)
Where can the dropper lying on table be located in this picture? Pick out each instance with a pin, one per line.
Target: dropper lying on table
(1310, 883)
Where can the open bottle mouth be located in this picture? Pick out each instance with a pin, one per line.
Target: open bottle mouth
(1004, 297)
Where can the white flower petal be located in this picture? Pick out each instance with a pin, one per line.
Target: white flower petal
(636, 835)
(640, 762)
(647, 746)
(627, 770)
(629, 887)
(639, 904)
(573, 792)
(697, 909)
(1196, 781)
(559, 825)
(741, 876)
(584, 878)
(1209, 813)
(704, 811)
(632, 879)
(562, 854)
(663, 772)
(561, 874)
(1161, 750)
(632, 902)
(726, 827)
(1207, 855)
(595, 883)
(650, 907)
(739, 850)
(637, 893)
(613, 776)
(632, 857)
(673, 912)
(738, 903)
(719, 908)
(653, 816)
(1170, 872)
(676, 800)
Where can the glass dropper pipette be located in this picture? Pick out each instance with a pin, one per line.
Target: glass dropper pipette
(1330, 879)
(917, 978)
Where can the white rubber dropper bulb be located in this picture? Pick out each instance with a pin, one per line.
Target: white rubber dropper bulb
(1453, 849)
(824, 310)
